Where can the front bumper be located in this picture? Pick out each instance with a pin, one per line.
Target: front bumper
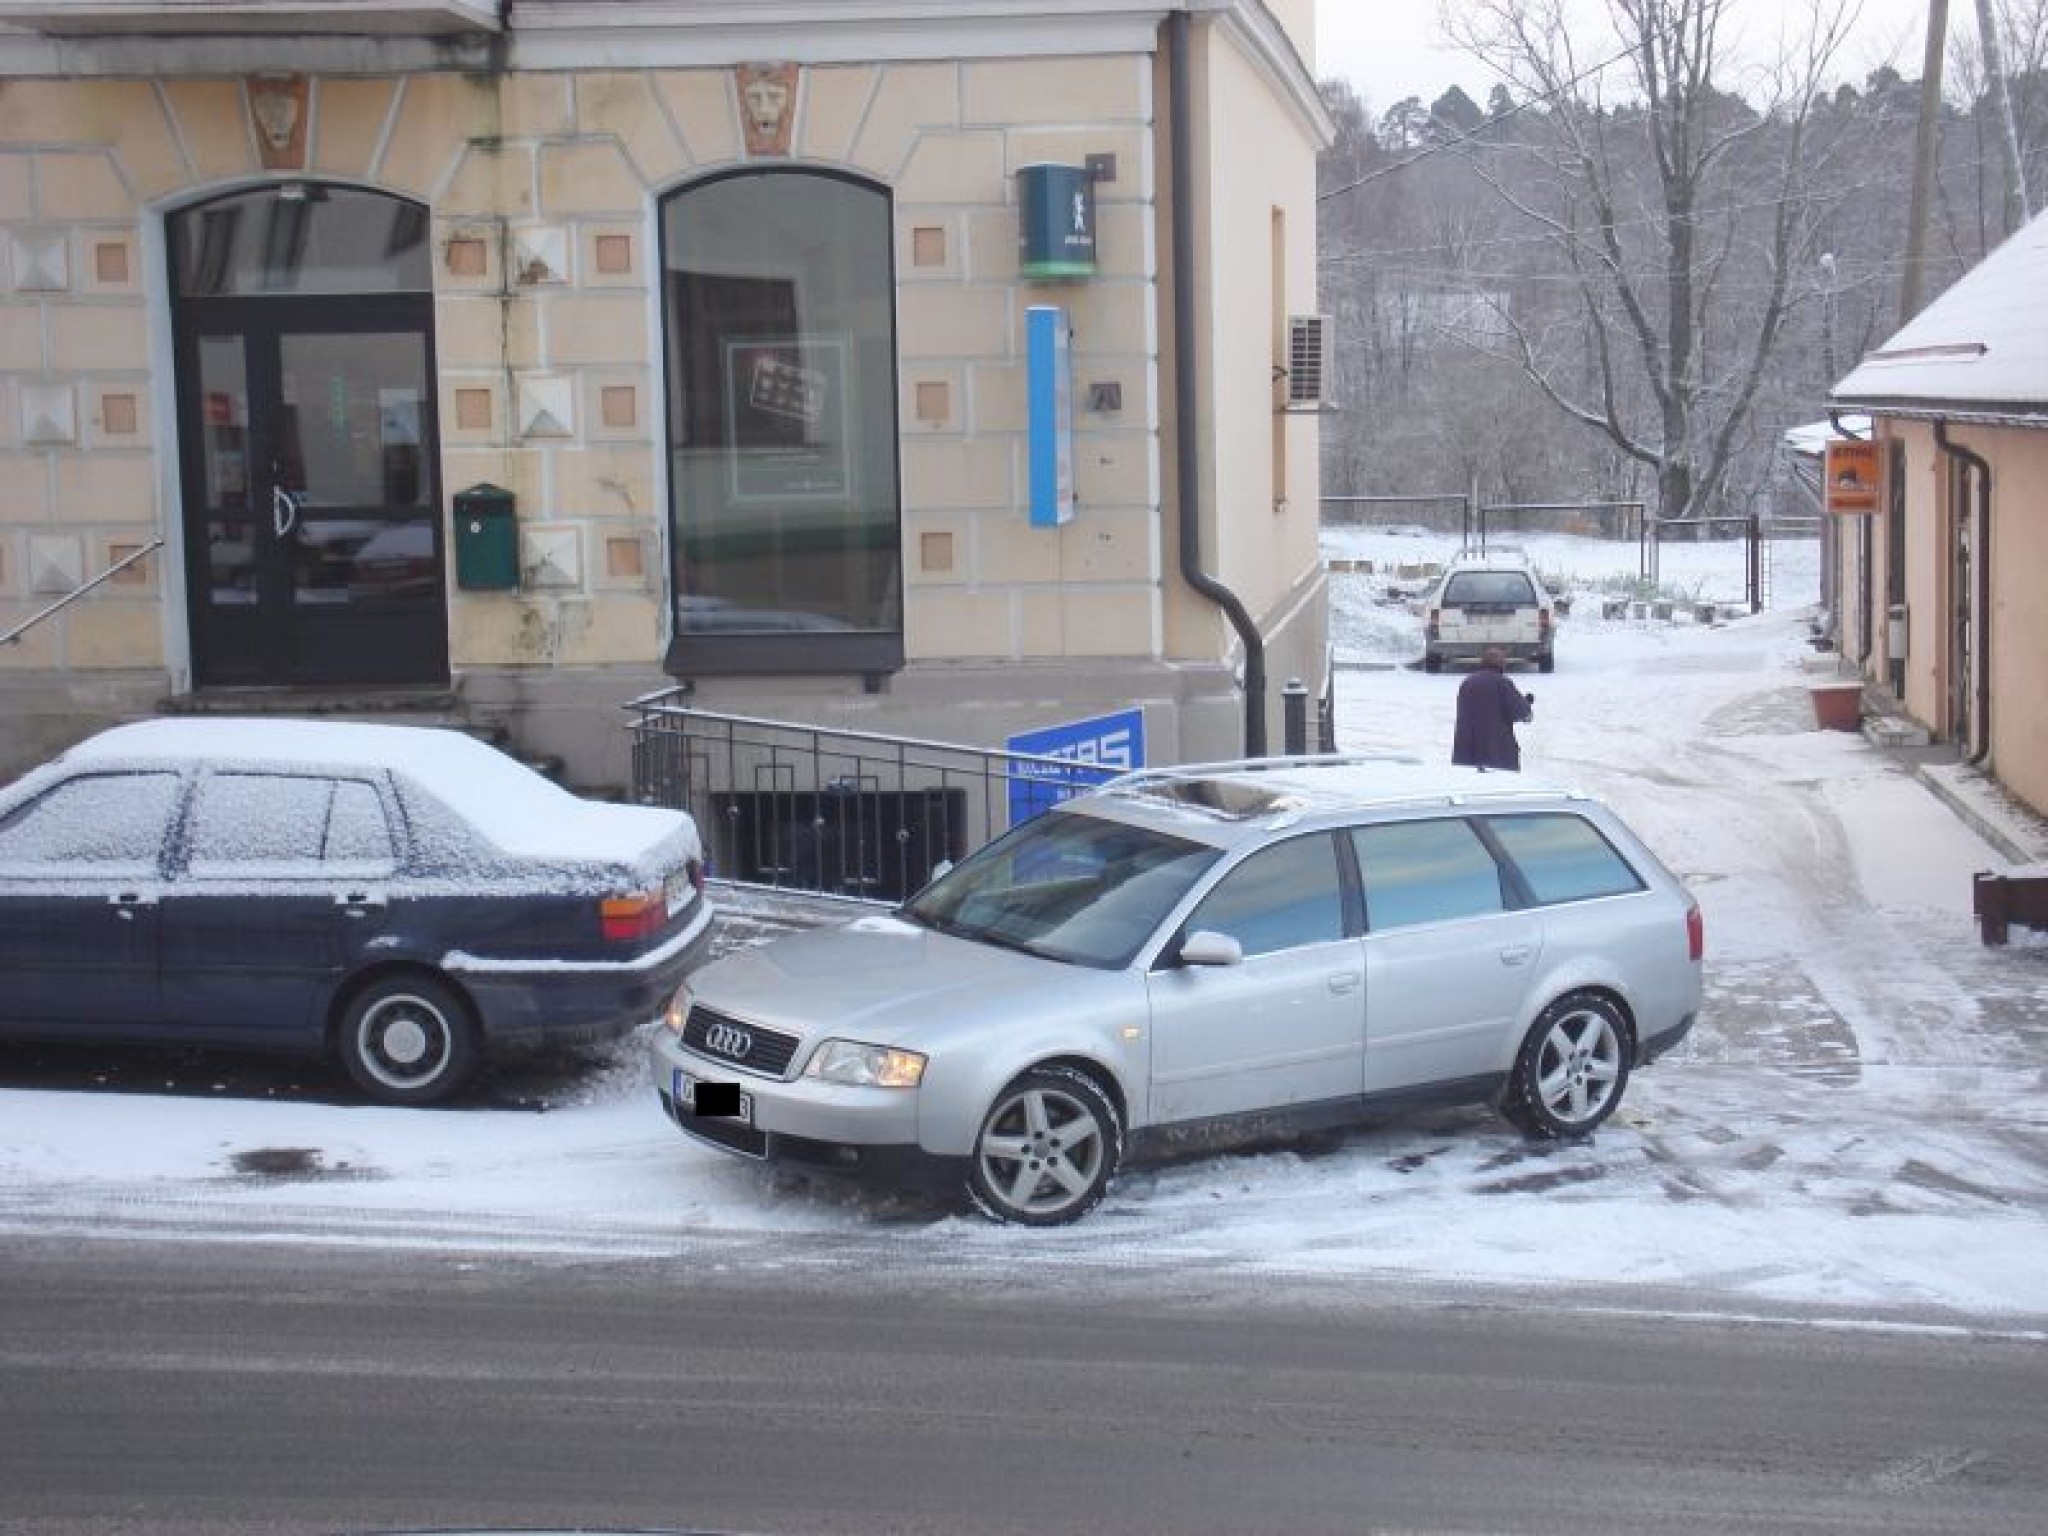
(863, 1134)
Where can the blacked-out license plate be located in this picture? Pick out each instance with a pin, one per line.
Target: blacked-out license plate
(724, 1100)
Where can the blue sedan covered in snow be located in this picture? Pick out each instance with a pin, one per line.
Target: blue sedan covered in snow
(403, 900)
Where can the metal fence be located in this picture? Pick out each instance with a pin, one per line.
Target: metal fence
(836, 812)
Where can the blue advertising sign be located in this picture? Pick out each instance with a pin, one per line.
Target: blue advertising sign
(1090, 752)
(1049, 406)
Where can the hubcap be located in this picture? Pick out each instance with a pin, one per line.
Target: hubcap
(405, 1042)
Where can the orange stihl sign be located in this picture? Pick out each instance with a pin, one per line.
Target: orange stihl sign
(1855, 476)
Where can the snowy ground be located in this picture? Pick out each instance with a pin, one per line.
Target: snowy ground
(1859, 1123)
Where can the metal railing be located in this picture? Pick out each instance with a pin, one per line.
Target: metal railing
(834, 812)
(79, 591)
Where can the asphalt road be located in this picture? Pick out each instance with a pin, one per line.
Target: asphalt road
(184, 1388)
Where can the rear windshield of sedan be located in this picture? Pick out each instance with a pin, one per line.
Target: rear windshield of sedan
(1066, 886)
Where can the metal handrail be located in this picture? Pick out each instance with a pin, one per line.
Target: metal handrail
(15, 634)
(843, 812)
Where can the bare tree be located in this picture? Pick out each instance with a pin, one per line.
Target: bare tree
(1682, 218)
(1999, 98)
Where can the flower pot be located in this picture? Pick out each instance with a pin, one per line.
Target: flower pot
(1838, 706)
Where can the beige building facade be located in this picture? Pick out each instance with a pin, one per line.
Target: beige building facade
(1939, 591)
(521, 360)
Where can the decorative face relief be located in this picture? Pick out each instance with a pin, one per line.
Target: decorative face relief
(278, 105)
(767, 93)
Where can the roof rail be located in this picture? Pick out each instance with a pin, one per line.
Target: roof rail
(1176, 771)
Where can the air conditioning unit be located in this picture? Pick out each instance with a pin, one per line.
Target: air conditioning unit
(1306, 350)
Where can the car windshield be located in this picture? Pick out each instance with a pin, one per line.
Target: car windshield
(1067, 886)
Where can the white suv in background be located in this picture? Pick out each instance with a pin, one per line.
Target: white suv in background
(1490, 598)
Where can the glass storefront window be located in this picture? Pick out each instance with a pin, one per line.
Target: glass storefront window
(779, 300)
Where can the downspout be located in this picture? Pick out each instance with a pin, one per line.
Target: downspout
(1980, 558)
(1185, 402)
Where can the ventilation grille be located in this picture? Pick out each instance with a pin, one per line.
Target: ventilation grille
(1305, 347)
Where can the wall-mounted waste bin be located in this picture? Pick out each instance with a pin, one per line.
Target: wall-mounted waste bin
(486, 539)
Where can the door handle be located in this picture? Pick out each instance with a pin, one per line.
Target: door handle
(1344, 981)
(127, 903)
(360, 901)
(1516, 954)
(284, 510)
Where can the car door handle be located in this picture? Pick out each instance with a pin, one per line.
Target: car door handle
(1516, 954)
(1344, 981)
(129, 901)
(359, 902)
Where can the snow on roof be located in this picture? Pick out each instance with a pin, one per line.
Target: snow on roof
(1813, 437)
(517, 809)
(1982, 345)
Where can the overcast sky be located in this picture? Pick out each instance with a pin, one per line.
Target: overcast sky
(1392, 49)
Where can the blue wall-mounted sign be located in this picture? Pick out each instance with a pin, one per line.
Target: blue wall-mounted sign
(1090, 752)
(1049, 392)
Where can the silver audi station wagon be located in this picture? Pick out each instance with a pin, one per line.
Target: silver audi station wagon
(1195, 957)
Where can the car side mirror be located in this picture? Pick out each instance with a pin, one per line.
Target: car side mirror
(1205, 946)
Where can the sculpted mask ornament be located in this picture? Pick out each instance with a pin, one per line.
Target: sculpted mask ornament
(767, 92)
(278, 104)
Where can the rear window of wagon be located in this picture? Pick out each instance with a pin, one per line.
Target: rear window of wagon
(1564, 858)
(1489, 589)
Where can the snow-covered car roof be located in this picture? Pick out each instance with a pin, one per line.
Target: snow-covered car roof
(518, 810)
(1260, 794)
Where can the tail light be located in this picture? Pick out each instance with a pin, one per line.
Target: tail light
(1695, 931)
(697, 876)
(626, 919)
(1430, 624)
(1543, 622)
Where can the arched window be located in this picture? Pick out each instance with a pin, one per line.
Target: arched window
(779, 309)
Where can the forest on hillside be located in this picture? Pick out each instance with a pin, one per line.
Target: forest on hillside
(1615, 281)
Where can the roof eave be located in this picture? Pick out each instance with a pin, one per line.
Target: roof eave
(1980, 413)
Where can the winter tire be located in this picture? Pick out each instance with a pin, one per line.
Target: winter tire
(407, 1040)
(1570, 1072)
(1046, 1149)
(1432, 663)
(1546, 663)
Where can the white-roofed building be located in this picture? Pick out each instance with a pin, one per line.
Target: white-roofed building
(1942, 583)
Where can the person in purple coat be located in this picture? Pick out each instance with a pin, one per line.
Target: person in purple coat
(1489, 708)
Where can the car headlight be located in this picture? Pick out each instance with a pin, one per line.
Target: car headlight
(677, 1014)
(866, 1066)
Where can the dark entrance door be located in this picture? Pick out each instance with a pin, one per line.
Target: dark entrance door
(311, 499)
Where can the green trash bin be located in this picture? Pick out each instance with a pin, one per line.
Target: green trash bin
(486, 539)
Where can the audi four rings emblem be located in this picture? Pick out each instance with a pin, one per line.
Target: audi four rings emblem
(727, 1040)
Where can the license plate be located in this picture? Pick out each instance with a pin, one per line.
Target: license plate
(686, 1095)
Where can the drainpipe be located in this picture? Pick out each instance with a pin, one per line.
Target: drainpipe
(1185, 403)
(1981, 560)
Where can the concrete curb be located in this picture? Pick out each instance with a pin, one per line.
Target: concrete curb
(2015, 833)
